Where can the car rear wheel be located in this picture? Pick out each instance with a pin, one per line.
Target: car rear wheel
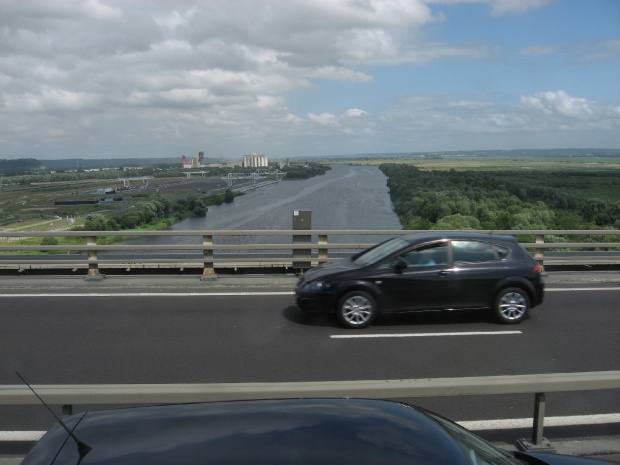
(357, 309)
(511, 305)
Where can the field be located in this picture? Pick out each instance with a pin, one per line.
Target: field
(479, 163)
(593, 177)
(33, 207)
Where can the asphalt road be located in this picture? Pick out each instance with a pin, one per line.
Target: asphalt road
(166, 331)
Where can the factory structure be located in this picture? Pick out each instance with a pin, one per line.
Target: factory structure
(254, 161)
(196, 162)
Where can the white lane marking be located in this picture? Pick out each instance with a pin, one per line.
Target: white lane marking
(233, 294)
(478, 425)
(150, 294)
(581, 289)
(21, 435)
(463, 333)
(575, 420)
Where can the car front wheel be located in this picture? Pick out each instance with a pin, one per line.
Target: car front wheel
(511, 305)
(357, 309)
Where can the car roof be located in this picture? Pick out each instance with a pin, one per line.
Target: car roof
(267, 431)
(416, 238)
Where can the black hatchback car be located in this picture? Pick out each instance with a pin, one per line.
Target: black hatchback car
(286, 431)
(426, 271)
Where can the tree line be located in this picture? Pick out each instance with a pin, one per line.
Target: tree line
(490, 201)
(157, 210)
(306, 171)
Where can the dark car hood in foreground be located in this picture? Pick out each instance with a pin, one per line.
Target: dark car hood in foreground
(290, 431)
(286, 431)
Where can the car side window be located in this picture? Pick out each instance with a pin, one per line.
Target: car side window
(433, 254)
(472, 252)
(502, 252)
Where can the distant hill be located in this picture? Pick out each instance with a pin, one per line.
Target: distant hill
(85, 164)
(489, 153)
(21, 166)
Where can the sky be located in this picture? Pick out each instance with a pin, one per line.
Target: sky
(305, 78)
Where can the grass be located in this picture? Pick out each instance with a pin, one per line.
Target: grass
(496, 164)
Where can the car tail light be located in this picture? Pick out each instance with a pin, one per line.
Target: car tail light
(537, 268)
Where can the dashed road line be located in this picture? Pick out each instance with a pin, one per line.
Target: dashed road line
(462, 333)
(581, 289)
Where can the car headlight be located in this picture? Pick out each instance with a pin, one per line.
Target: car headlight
(315, 286)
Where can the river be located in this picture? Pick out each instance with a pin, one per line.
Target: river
(344, 198)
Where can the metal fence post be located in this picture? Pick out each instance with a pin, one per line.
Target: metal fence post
(302, 220)
(93, 265)
(539, 417)
(323, 253)
(67, 410)
(539, 254)
(208, 272)
(538, 442)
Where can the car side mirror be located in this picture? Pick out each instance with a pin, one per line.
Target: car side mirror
(400, 265)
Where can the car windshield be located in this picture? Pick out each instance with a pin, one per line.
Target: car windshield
(380, 251)
(478, 451)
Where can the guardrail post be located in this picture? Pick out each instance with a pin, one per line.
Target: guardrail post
(539, 417)
(208, 272)
(539, 254)
(93, 265)
(323, 253)
(67, 410)
(302, 220)
(538, 443)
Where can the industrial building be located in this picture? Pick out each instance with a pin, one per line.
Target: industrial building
(255, 161)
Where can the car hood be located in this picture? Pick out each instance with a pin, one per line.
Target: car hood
(300, 431)
(328, 269)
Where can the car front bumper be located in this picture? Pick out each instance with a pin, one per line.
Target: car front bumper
(314, 302)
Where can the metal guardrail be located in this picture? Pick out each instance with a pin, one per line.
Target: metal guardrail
(216, 244)
(132, 394)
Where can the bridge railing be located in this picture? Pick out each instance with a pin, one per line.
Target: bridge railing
(134, 394)
(212, 249)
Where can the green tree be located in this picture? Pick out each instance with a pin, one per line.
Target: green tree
(200, 209)
(94, 222)
(458, 221)
(229, 196)
(49, 241)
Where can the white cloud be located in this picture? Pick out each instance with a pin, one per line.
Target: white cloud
(324, 119)
(561, 104)
(354, 113)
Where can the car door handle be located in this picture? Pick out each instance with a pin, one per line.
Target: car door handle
(443, 273)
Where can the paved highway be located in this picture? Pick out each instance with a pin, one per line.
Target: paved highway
(164, 330)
